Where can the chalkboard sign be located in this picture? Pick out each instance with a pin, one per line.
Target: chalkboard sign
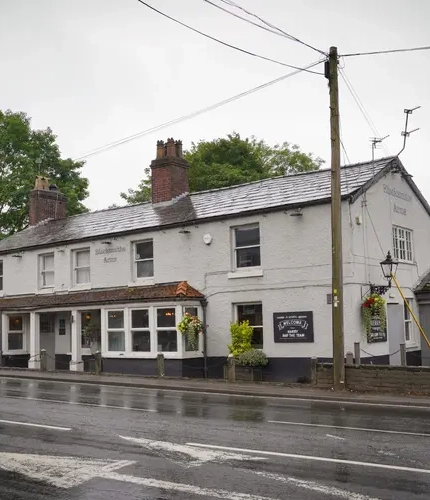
(293, 326)
(377, 333)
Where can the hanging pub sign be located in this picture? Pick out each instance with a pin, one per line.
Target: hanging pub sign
(293, 326)
(377, 332)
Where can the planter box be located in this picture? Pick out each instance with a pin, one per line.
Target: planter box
(249, 373)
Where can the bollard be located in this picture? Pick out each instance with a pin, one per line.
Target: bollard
(160, 365)
(231, 368)
(403, 354)
(98, 362)
(349, 358)
(43, 361)
(314, 378)
(357, 353)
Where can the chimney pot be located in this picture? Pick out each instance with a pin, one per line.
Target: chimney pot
(170, 147)
(160, 149)
(178, 145)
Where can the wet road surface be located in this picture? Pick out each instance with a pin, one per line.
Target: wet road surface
(86, 442)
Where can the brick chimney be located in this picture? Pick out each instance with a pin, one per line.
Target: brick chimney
(46, 202)
(169, 172)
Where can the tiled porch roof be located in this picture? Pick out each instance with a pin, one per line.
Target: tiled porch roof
(172, 291)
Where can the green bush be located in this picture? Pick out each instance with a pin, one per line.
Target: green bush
(253, 357)
(241, 337)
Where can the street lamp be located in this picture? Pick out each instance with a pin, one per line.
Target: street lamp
(389, 268)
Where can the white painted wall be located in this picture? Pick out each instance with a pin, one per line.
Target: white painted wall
(296, 264)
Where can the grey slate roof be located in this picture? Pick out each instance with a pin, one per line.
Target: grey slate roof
(265, 195)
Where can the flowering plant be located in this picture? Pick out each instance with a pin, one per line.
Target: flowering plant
(373, 307)
(191, 326)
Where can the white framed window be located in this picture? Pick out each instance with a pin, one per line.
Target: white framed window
(115, 331)
(140, 331)
(402, 244)
(408, 320)
(1, 275)
(167, 335)
(46, 262)
(81, 266)
(246, 240)
(254, 314)
(143, 259)
(16, 333)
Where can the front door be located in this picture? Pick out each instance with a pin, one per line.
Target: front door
(396, 332)
(47, 338)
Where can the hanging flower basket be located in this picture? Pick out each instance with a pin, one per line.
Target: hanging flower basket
(373, 308)
(191, 327)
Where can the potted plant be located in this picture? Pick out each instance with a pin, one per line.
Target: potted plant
(248, 361)
(191, 326)
(373, 309)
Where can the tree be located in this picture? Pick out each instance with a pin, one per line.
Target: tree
(232, 160)
(24, 154)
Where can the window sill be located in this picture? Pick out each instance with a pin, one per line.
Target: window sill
(411, 345)
(245, 273)
(141, 355)
(75, 288)
(46, 290)
(17, 352)
(142, 282)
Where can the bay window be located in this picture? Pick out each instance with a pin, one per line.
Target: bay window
(115, 331)
(140, 332)
(167, 336)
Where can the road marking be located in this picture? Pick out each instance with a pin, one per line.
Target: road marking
(220, 393)
(62, 472)
(52, 427)
(58, 401)
(335, 437)
(191, 457)
(184, 488)
(349, 428)
(311, 457)
(312, 486)
(68, 472)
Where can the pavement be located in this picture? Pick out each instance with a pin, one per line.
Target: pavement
(86, 441)
(211, 386)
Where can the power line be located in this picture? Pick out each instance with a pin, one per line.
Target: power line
(193, 114)
(291, 37)
(361, 106)
(392, 51)
(221, 41)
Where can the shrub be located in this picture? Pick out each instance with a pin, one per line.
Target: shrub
(253, 357)
(241, 337)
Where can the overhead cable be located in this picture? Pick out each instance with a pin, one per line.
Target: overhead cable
(193, 114)
(226, 44)
(391, 51)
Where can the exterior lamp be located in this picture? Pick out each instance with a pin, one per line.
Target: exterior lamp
(389, 268)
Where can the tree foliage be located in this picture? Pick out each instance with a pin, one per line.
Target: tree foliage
(24, 154)
(232, 160)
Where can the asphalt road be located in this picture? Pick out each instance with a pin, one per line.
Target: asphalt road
(84, 442)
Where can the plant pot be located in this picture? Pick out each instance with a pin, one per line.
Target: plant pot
(249, 373)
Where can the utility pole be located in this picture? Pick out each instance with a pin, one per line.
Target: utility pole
(331, 74)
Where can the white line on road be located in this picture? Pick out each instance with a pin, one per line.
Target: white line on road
(312, 486)
(52, 427)
(335, 437)
(184, 488)
(46, 400)
(350, 428)
(312, 458)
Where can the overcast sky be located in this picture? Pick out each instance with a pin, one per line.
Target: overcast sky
(96, 71)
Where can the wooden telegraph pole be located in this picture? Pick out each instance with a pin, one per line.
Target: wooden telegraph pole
(331, 74)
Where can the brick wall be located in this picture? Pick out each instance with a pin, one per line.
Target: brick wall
(46, 204)
(374, 378)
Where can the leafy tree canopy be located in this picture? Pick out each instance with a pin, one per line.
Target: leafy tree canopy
(232, 160)
(24, 154)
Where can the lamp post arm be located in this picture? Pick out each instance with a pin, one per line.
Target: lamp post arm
(410, 309)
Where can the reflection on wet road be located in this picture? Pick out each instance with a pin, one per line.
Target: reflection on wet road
(117, 442)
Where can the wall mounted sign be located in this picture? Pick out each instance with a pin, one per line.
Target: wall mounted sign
(293, 326)
(104, 251)
(377, 333)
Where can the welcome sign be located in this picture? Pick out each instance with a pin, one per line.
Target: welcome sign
(293, 326)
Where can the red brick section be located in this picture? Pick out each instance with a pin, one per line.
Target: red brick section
(46, 203)
(170, 291)
(169, 172)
